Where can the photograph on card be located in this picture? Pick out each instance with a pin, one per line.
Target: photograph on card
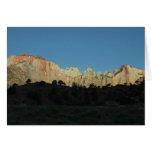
(75, 76)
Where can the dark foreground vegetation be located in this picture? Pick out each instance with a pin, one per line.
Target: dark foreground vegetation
(41, 103)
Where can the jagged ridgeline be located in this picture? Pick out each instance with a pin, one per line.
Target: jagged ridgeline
(22, 67)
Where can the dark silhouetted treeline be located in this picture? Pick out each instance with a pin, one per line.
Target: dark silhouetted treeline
(42, 93)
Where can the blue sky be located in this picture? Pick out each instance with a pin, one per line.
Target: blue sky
(100, 48)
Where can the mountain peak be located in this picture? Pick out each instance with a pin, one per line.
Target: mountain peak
(108, 74)
(89, 72)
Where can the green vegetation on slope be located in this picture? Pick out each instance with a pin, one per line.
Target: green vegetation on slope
(15, 76)
(11, 80)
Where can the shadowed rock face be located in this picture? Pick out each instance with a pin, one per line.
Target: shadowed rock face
(27, 66)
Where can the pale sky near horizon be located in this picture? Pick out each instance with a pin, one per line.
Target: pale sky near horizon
(100, 48)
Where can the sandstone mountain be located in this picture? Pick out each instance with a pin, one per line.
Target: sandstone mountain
(36, 68)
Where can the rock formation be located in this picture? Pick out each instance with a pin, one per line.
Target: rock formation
(36, 68)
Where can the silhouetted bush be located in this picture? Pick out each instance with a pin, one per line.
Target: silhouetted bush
(74, 85)
(92, 86)
(60, 82)
(42, 83)
(54, 83)
(12, 89)
(28, 81)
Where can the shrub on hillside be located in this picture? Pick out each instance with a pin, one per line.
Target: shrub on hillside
(12, 89)
(54, 83)
(42, 83)
(61, 83)
(28, 81)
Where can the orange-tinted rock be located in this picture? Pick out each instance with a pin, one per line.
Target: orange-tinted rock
(37, 68)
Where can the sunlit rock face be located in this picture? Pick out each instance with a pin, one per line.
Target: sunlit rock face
(27, 66)
(99, 76)
(127, 75)
(35, 69)
(88, 77)
(72, 72)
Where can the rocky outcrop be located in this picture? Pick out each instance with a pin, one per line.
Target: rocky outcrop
(36, 68)
(89, 77)
(127, 75)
